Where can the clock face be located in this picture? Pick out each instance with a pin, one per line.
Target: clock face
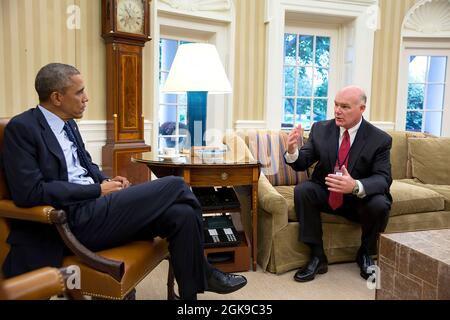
(130, 16)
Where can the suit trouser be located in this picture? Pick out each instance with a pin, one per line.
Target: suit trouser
(166, 208)
(372, 212)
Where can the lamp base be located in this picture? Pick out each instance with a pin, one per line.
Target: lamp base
(196, 116)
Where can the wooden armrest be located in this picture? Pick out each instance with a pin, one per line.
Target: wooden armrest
(39, 214)
(49, 215)
(38, 284)
(114, 268)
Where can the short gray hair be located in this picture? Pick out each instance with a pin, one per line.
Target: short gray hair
(363, 98)
(53, 77)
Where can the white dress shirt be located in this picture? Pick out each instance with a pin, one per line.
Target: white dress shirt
(75, 172)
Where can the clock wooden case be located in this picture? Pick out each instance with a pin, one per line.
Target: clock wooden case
(126, 29)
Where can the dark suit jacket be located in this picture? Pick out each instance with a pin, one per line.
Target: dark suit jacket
(36, 174)
(369, 158)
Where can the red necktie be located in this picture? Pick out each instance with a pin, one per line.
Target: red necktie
(336, 198)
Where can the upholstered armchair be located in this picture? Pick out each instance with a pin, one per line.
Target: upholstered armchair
(108, 274)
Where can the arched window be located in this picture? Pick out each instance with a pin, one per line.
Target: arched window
(424, 86)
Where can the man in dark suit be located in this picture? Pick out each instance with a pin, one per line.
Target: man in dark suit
(351, 178)
(46, 163)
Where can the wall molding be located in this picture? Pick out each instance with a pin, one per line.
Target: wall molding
(220, 10)
(94, 136)
(384, 125)
(428, 18)
(249, 125)
(199, 5)
(354, 2)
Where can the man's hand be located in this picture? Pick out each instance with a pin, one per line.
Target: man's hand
(109, 186)
(293, 137)
(342, 184)
(123, 180)
(116, 184)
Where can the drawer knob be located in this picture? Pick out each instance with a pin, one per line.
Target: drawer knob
(224, 176)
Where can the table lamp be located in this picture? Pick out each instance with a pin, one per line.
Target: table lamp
(198, 71)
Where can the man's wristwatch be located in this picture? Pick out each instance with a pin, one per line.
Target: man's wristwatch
(355, 190)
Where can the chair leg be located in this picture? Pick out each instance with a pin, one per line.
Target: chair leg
(74, 294)
(171, 283)
(131, 295)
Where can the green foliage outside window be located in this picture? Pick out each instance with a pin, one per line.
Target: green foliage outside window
(415, 102)
(309, 70)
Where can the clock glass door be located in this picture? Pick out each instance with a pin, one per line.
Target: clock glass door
(130, 16)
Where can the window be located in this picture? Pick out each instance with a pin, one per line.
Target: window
(170, 110)
(172, 107)
(350, 52)
(426, 93)
(306, 79)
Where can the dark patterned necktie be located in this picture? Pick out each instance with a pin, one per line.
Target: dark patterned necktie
(336, 199)
(84, 162)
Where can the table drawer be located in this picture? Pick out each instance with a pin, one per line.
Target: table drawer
(221, 176)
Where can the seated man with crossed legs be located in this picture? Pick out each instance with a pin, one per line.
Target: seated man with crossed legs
(46, 163)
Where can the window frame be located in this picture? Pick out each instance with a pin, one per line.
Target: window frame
(355, 52)
(317, 30)
(204, 27)
(177, 105)
(422, 47)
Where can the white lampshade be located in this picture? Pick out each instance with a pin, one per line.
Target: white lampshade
(197, 67)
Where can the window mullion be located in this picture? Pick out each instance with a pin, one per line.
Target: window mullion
(296, 71)
(311, 107)
(425, 94)
(177, 124)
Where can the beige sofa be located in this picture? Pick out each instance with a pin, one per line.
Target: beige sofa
(420, 190)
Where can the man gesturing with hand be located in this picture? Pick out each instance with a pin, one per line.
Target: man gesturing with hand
(351, 178)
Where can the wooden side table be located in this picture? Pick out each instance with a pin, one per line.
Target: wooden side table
(198, 173)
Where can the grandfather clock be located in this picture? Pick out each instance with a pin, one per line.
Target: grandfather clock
(126, 29)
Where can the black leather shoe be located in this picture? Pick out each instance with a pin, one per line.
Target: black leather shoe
(364, 261)
(314, 266)
(221, 282)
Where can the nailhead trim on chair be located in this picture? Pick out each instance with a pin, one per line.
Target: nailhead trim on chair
(61, 281)
(99, 295)
(109, 297)
(47, 211)
(122, 295)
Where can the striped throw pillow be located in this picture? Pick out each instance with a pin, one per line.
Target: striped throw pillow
(269, 148)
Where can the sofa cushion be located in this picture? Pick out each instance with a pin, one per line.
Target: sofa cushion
(237, 149)
(399, 152)
(269, 148)
(334, 218)
(443, 190)
(429, 160)
(409, 198)
(287, 192)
